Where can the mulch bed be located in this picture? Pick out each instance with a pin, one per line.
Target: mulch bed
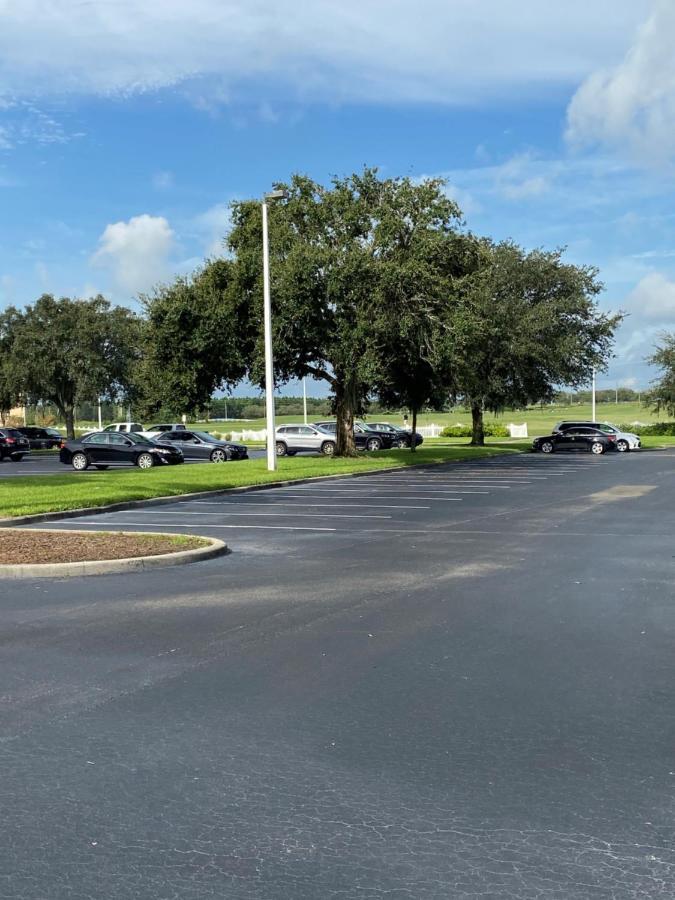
(22, 546)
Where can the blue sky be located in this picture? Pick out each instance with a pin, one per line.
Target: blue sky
(127, 127)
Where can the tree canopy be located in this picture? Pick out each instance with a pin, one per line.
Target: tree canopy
(69, 349)
(525, 323)
(662, 394)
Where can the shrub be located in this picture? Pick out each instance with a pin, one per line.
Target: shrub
(491, 429)
(663, 429)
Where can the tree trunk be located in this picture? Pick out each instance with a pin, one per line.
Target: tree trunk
(478, 433)
(345, 403)
(69, 415)
(413, 442)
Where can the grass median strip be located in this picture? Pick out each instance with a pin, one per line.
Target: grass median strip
(54, 493)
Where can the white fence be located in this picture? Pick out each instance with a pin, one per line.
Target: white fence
(248, 435)
(517, 431)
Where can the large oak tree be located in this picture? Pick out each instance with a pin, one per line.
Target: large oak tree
(525, 323)
(67, 350)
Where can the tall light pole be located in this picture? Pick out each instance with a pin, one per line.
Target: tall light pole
(267, 318)
(593, 397)
(304, 398)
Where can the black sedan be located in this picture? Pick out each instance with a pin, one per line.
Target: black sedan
(103, 449)
(589, 439)
(13, 444)
(202, 445)
(364, 436)
(400, 437)
(41, 438)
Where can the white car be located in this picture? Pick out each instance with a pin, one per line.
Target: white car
(625, 440)
(125, 427)
(292, 439)
(155, 430)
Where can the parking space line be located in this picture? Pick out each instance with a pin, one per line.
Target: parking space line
(372, 491)
(272, 502)
(102, 525)
(382, 497)
(227, 512)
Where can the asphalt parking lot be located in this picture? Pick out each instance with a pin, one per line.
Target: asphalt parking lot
(441, 683)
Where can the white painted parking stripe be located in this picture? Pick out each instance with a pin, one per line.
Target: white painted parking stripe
(226, 512)
(372, 491)
(102, 526)
(360, 497)
(273, 502)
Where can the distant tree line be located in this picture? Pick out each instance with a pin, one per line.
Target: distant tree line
(378, 291)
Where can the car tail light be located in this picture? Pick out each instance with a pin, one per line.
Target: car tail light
(11, 440)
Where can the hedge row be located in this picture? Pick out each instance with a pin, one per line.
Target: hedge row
(665, 429)
(491, 429)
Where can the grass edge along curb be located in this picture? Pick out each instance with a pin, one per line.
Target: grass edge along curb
(164, 500)
(212, 548)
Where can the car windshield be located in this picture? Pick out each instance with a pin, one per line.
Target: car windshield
(204, 435)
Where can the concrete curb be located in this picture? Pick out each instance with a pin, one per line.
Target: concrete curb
(201, 495)
(116, 566)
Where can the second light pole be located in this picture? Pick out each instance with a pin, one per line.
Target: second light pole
(267, 321)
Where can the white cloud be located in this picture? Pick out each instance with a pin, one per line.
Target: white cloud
(632, 105)
(211, 227)
(137, 252)
(516, 179)
(162, 181)
(392, 50)
(653, 298)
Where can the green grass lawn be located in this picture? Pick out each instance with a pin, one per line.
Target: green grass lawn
(50, 493)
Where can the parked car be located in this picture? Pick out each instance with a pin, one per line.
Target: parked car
(125, 427)
(625, 440)
(202, 445)
(103, 449)
(400, 436)
(582, 438)
(154, 430)
(13, 444)
(364, 437)
(41, 438)
(292, 439)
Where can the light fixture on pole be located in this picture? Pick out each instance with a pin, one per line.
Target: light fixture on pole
(267, 319)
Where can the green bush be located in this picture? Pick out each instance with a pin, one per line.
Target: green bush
(492, 429)
(663, 429)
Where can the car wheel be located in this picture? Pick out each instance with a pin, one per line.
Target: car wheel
(145, 461)
(79, 462)
(218, 456)
(16, 457)
(373, 444)
(403, 443)
(597, 449)
(281, 448)
(546, 447)
(328, 448)
(101, 468)
(622, 446)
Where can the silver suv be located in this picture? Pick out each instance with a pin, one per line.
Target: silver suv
(292, 439)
